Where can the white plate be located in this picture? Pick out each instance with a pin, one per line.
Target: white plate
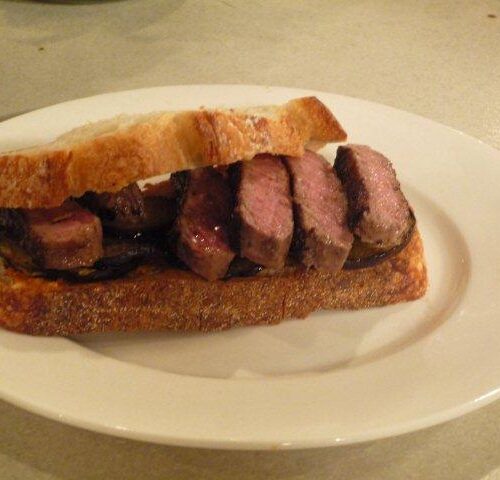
(337, 377)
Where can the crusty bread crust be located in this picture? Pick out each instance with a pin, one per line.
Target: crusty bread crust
(108, 155)
(161, 298)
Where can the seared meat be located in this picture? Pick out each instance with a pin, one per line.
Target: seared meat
(165, 189)
(264, 211)
(159, 212)
(128, 202)
(130, 211)
(58, 238)
(322, 237)
(378, 211)
(202, 225)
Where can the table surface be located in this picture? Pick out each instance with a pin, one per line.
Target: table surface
(437, 58)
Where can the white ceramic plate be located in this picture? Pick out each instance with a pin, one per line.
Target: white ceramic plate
(337, 377)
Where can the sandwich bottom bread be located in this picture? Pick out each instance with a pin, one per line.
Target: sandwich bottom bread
(252, 227)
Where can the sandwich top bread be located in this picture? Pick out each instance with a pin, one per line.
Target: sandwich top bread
(252, 227)
(108, 155)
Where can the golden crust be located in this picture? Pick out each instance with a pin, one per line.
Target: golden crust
(109, 155)
(161, 299)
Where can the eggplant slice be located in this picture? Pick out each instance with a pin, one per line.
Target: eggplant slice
(120, 257)
(363, 255)
(118, 261)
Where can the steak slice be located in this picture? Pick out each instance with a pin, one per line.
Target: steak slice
(322, 238)
(264, 211)
(202, 225)
(130, 210)
(379, 213)
(125, 203)
(58, 238)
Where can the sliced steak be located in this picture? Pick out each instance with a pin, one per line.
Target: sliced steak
(159, 213)
(202, 225)
(165, 189)
(119, 205)
(322, 237)
(378, 211)
(160, 205)
(130, 211)
(264, 211)
(59, 238)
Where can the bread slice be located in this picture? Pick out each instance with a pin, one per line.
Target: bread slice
(109, 155)
(161, 298)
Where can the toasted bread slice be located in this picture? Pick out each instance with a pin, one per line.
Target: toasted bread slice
(155, 298)
(109, 155)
